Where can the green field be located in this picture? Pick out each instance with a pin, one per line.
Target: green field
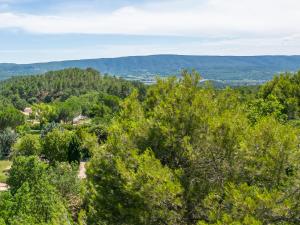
(4, 164)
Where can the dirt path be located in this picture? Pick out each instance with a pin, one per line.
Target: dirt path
(82, 170)
(3, 187)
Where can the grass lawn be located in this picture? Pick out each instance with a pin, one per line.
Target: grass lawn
(4, 164)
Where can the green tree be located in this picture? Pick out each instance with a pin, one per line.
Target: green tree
(286, 88)
(41, 194)
(88, 141)
(69, 109)
(28, 145)
(62, 84)
(64, 177)
(197, 131)
(6, 205)
(244, 204)
(74, 149)
(25, 169)
(45, 113)
(260, 108)
(7, 139)
(10, 117)
(56, 145)
(38, 203)
(271, 154)
(132, 189)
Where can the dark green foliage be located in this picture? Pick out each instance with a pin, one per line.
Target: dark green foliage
(97, 105)
(211, 139)
(49, 127)
(271, 154)
(69, 109)
(10, 117)
(41, 194)
(102, 105)
(28, 145)
(94, 105)
(181, 154)
(33, 199)
(64, 177)
(38, 204)
(18, 102)
(259, 108)
(64, 84)
(56, 145)
(88, 142)
(74, 149)
(101, 132)
(286, 89)
(244, 204)
(132, 189)
(7, 139)
(60, 145)
(25, 169)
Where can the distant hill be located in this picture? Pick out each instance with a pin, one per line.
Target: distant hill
(144, 68)
(62, 84)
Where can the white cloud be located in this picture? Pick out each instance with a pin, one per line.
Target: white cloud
(226, 27)
(212, 18)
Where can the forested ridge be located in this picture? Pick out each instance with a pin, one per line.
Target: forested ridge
(61, 85)
(145, 68)
(175, 152)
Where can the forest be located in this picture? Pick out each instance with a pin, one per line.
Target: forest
(244, 69)
(170, 153)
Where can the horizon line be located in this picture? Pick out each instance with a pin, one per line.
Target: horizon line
(150, 55)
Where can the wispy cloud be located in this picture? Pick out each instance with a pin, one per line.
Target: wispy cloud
(201, 18)
(244, 46)
(142, 27)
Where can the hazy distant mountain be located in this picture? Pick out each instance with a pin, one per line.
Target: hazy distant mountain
(225, 68)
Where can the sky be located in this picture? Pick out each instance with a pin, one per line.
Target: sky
(52, 30)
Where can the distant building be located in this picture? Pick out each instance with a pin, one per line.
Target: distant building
(27, 111)
(79, 118)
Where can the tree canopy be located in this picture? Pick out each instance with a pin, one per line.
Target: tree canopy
(175, 152)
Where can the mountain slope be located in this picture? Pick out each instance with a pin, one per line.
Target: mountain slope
(144, 68)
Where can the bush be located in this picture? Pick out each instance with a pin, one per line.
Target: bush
(28, 145)
(7, 139)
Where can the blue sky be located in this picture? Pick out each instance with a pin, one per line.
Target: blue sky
(40, 30)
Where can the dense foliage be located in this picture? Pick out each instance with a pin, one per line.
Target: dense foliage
(181, 153)
(286, 90)
(10, 117)
(63, 84)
